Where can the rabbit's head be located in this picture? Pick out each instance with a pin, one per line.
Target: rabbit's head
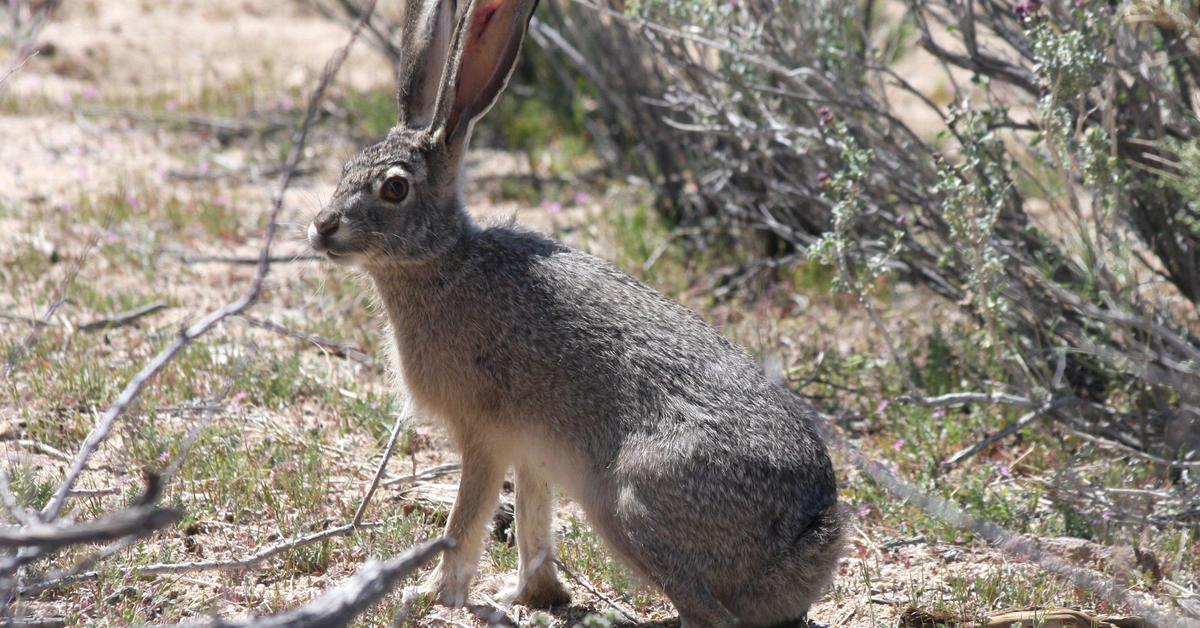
(398, 201)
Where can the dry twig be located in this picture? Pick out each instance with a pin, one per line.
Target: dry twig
(124, 318)
(136, 521)
(340, 606)
(401, 421)
(333, 347)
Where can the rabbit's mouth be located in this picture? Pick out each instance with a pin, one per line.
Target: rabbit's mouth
(341, 259)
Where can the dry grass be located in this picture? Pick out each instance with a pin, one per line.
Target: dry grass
(294, 444)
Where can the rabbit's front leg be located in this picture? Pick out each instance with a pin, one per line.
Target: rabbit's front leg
(477, 495)
(537, 583)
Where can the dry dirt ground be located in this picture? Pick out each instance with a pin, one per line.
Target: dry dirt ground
(140, 147)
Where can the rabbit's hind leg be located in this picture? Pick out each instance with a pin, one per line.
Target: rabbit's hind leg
(643, 550)
(537, 584)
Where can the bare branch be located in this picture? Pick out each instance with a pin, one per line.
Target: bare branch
(14, 68)
(60, 296)
(136, 521)
(244, 562)
(964, 398)
(334, 347)
(124, 318)
(401, 421)
(432, 472)
(1008, 430)
(29, 320)
(243, 261)
(583, 582)
(340, 606)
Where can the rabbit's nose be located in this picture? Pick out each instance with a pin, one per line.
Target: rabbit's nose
(327, 222)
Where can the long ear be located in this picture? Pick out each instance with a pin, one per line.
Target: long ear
(426, 32)
(486, 44)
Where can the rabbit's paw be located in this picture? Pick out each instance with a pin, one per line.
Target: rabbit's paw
(537, 592)
(447, 586)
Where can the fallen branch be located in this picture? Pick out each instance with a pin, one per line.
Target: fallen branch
(43, 448)
(340, 606)
(231, 564)
(224, 127)
(1007, 430)
(965, 398)
(427, 474)
(583, 582)
(241, 261)
(124, 318)
(136, 521)
(334, 347)
(29, 320)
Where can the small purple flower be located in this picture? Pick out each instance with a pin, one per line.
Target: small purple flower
(823, 178)
(89, 92)
(939, 413)
(581, 198)
(824, 116)
(882, 407)
(164, 457)
(1024, 9)
(222, 200)
(551, 206)
(171, 105)
(901, 220)
(899, 444)
(1004, 470)
(131, 199)
(864, 511)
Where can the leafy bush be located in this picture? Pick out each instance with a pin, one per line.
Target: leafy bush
(779, 121)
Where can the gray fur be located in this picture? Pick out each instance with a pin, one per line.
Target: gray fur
(704, 477)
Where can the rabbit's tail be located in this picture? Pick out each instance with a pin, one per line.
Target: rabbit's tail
(795, 580)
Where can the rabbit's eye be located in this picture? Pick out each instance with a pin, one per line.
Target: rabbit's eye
(394, 189)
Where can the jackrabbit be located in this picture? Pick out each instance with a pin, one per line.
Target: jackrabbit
(701, 475)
